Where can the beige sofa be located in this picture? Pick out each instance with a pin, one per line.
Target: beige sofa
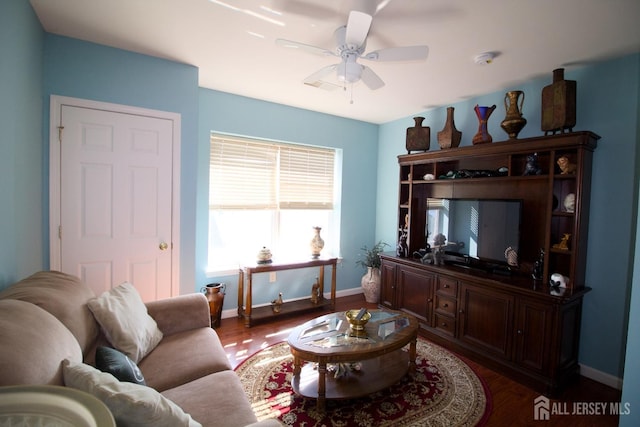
(45, 320)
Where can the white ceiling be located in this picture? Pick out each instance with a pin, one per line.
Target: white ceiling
(530, 38)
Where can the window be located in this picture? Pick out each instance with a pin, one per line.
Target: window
(271, 194)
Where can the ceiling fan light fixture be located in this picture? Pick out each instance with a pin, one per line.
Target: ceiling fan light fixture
(349, 72)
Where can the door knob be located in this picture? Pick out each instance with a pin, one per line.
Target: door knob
(163, 246)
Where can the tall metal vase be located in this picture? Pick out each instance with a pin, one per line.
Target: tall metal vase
(449, 136)
(513, 121)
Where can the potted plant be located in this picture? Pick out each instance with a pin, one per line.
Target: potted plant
(370, 259)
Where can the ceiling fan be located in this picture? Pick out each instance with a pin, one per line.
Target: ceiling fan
(351, 41)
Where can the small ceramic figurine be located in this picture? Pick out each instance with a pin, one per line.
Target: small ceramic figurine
(511, 256)
(563, 243)
(315, 292)
(566, 167)
(538, 266)
(403, 249)
(569, 202)
(532, 167)
(277, 303)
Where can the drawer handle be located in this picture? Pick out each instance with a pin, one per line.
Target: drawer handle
(446, 286)
(443, 324)
(445, 305)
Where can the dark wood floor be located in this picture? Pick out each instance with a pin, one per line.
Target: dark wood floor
(512, 402)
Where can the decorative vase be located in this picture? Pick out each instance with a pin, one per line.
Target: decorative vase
(371, 285)
(418, 137)
(483, 114)
(316, 243)
(215, 295)
(449, 136)
(559, 104)
(264, 256)
(513, 121)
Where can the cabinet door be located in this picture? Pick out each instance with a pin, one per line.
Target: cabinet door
(533, 330)
(415, 293)
(485, 320)
(388, 284)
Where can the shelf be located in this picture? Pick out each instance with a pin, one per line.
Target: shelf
(293, 307)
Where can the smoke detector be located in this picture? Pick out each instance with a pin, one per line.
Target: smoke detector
(484, 58)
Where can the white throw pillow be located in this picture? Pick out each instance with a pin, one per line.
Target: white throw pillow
(132, 405)
(125, 321)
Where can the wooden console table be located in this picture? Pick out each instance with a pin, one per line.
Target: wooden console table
(245, 287)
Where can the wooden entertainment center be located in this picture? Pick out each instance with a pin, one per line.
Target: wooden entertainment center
(518, 325)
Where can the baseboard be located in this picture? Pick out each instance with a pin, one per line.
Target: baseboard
(601, 377)
(233, 312)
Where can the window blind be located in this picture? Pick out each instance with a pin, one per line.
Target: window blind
(250, 174)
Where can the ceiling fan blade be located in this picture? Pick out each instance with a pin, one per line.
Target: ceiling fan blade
(405, 53)
(371, 79)
(320, 74)
(357, 29)
(306, 47)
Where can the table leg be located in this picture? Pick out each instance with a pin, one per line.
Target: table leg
(322, 374)
(297, 366)
(412, 355)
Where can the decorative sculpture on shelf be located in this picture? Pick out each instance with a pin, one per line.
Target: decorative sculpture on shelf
(563, 244)
(277, 303)
(538, 266)
(402, 249)
(315, 292)
(532, 167)
(511, 256)
(566, 167)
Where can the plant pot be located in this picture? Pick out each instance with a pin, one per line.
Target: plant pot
(371, 285)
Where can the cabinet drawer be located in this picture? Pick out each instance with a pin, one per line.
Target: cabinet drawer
(447, 286)
(445, 305)
(446, 324)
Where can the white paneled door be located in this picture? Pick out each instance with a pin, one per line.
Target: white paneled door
(116, 195)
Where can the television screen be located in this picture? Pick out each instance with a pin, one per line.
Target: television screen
(480, 229)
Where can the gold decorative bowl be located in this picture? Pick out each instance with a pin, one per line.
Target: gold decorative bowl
(357, 325)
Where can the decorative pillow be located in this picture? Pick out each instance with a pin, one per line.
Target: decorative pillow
(125, 321)
(119, 365)
(132, 405)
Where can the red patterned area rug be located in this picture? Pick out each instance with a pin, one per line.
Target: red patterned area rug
(444, 391)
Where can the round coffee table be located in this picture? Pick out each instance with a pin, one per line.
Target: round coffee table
(361, 364)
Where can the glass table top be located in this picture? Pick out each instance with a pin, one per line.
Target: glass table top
(333, 330)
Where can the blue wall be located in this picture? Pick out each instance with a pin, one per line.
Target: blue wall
(225, 113)
(608, 106)
(79, 69)
(21, 176)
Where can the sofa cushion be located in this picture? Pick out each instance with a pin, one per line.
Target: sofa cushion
(62, 295)
(125, 321)
(186, 355)
(33, 343)
(131, 404)
(215, 400)
(119, 365)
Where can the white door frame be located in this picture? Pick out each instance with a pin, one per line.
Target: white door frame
(56, 103)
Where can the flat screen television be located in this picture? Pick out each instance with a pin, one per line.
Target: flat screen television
(474, 231)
